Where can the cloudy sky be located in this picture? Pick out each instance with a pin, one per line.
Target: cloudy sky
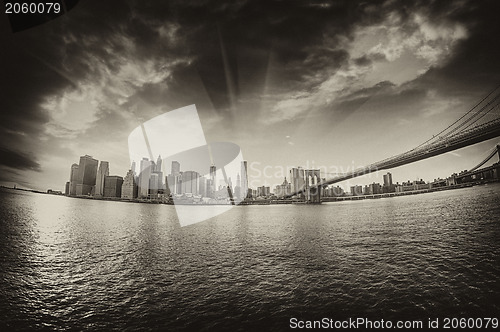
(312, 83)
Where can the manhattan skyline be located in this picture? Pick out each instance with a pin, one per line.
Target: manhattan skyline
(329, 83)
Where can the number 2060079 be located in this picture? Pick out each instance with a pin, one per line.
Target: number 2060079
(455, 323)
(32, 8)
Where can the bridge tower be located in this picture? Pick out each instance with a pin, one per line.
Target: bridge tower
(312, 188)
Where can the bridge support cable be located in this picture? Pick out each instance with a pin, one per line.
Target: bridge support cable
(459, 119)
(491, 155)
(476, 114)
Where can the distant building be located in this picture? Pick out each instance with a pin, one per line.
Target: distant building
(283, 189)
(374, 189)
(209, 188)
(153, 185)
(66, 189)
(213, 178)
(129, 187)
(158, 170)
(73, 179)
(388, 180)
(190, 180)
(87, 172)
(244, 180)
(297, 179)
(102, 172)
(263, 191)
(202, 186)
(176, 168)
(143, 182)
(411, 186)
(113, 186)
(356, 190)
(174, 183)
(334, 191)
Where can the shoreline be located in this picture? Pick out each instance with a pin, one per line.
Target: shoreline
(278, 201)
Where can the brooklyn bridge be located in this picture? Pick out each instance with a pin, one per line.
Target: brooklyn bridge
(478, 124)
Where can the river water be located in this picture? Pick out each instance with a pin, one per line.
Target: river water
(76, 264)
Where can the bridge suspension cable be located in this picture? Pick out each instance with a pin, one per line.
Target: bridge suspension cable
(491, 155)
(460, 122)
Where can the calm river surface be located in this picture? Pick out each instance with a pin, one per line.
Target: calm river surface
(76, 264)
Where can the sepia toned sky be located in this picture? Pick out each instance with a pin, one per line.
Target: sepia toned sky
(331, 84)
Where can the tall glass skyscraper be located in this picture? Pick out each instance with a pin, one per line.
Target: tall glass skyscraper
(144, 176)
(102, 172)
(87, 171)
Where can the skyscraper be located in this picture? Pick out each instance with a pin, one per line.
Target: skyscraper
(176, 168)
(129, 187)
(87, 171)
(297, 179)
(144, 178)
(132, 167)
(244, 180)
(158, 164)
(213, 178)
(153, 185)
(102, 172)
(388, 180)
(202, 186)
(190, 183)
(73, 179)
(159, 173)
(113, 186)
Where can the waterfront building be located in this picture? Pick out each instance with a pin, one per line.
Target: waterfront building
(66, 189)
(153, 185)
(73, 179)
(209, 188)
(263, 191)
(102, 172)
(213, 178)
(87, 172)
(334, 191)
(159, 172)
(244, 180)
(374, 189)
(190, 182)
(175, 183)
(297, 179)
(283, 189)
(202, 189)
(129, 187)
(411, 186)
(113, 186)
(388, 180)
(143, 183)
(388, 187)
(356, 190)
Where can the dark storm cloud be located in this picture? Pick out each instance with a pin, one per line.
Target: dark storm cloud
(473, 68)
(18, 160)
